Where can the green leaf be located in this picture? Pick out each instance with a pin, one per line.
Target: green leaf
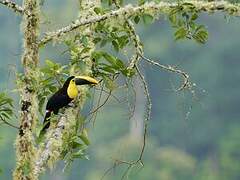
(194, 17)
(50, 63)
(6, 106)
(201, 36)
(97, 55)
(141, 2)
(147, 18)
(115, 45)
(97, 40)
(136, 19)
(200, 27)
(180, 33)
(84, 41)
(84, 137)
(120, 63)
(103, 42)
(79, 154)
(98, 10)
(26, 168)
(173, 19)
(110, 58)
(123, 41)
(128, 72)
(109, 69)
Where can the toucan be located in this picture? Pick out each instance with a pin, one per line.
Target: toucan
(64, 96)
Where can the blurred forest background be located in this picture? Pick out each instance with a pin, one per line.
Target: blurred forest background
(192, 135)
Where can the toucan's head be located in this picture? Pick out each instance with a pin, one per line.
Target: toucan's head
(80, 80)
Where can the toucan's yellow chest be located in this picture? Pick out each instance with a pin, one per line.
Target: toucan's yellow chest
(72, 90)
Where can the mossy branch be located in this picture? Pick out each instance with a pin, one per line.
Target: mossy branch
(25, 150)
(53, 145)
(151, 7)
(13, 6)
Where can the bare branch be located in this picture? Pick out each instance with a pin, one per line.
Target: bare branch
(186, 82)
(148, 112)
(112, 95)
(94, 116)
(131, 164)
(13, 6)
(151, 7)
(104, 102)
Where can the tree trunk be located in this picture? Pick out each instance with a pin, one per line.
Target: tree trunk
(24, 143)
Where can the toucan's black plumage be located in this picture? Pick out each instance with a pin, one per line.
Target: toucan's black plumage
(64, 96)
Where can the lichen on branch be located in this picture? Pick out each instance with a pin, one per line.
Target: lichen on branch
(13, 6)
(149, 7)
(51, 150)
(25, 150)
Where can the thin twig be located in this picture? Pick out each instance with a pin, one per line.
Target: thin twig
(94, 116)
(131, 164)
(109, 170)
(112, 95)
(186, 82)
(148, 112)
(13, 6)
(100, 106)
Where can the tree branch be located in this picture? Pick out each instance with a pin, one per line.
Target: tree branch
(186, 82)
(55, 138)
(148, 113)
(135, 38)
(13, 6)
(151, 7)
(138, 161)
(50, 145)
(24, 143)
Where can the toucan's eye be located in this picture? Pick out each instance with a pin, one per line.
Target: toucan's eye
(73, 80)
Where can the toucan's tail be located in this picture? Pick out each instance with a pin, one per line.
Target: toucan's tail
(46, 124)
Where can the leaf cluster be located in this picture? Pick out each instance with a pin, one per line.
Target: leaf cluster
(75, 143)
(6, 107)
(183, 19)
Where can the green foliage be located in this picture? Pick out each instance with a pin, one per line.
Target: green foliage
(52, 76)
(183, 19)
(75, 144)
(6, 107)
(26, 168)
(147, 18)
(117, 35)
(108, 66)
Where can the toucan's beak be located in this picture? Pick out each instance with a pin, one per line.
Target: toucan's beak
(82, 80)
